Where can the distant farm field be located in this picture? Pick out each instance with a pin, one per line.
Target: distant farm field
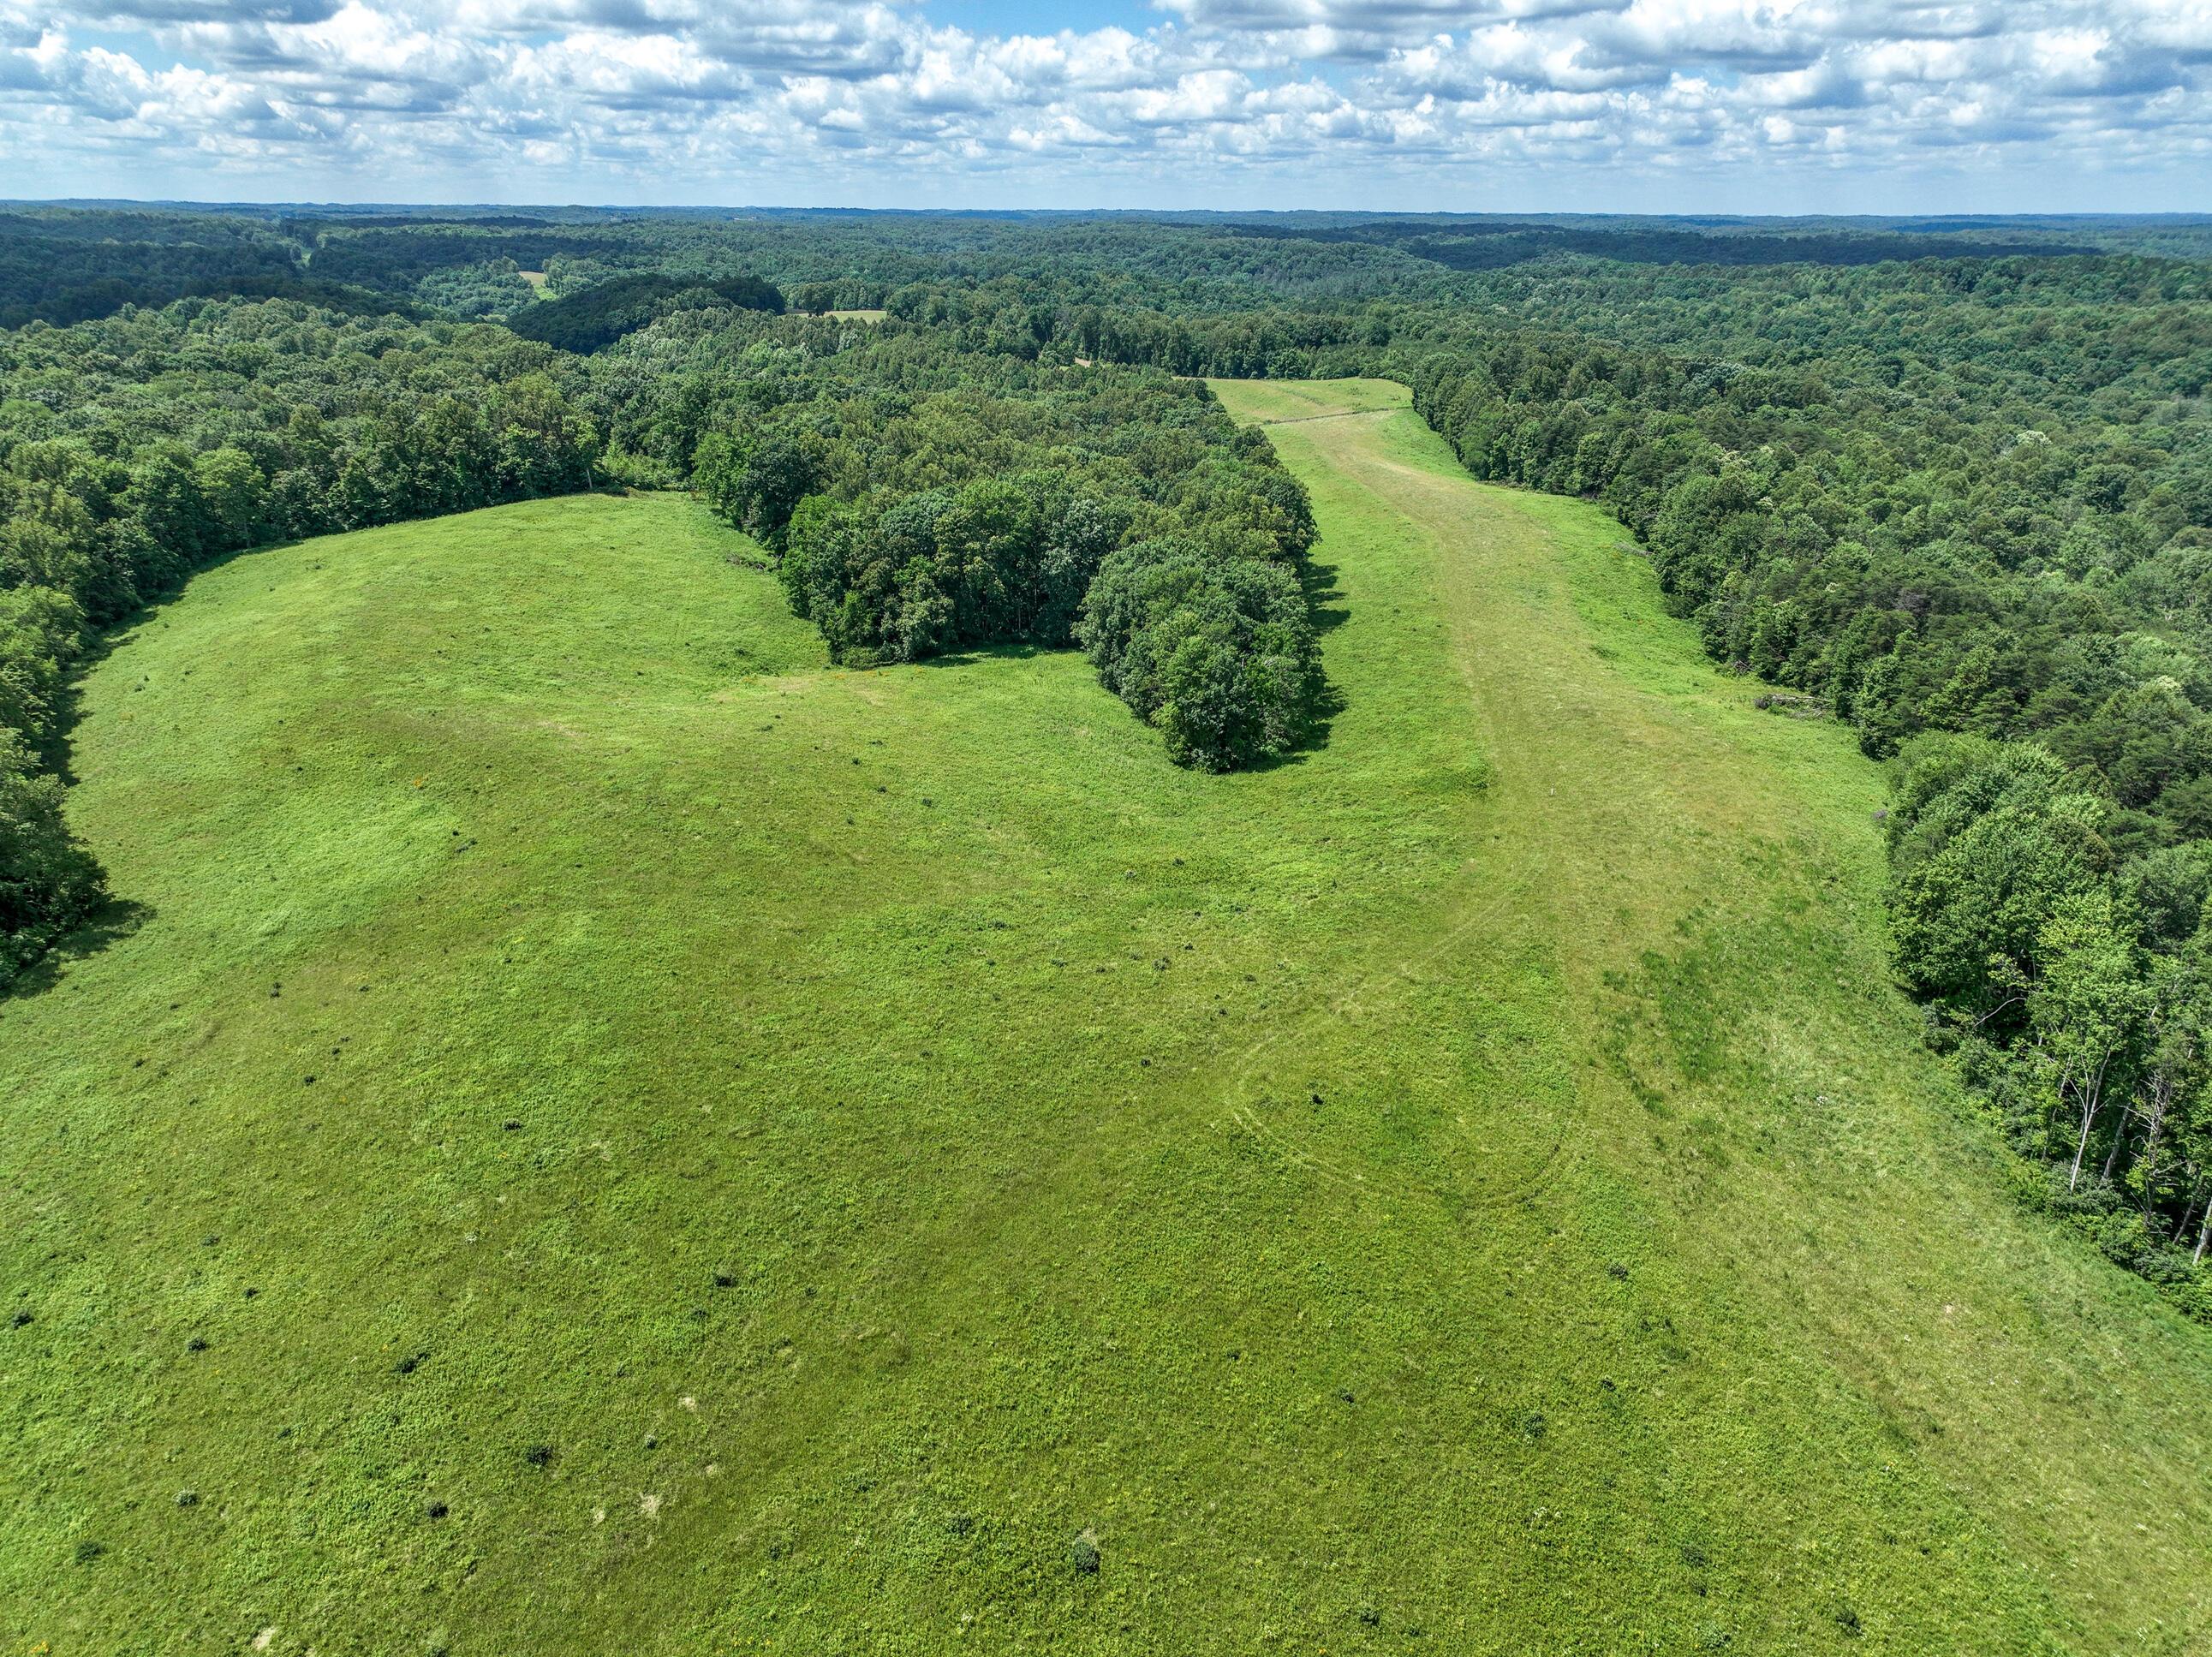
(600, 1132)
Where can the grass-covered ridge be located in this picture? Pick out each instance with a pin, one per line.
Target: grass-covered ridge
(1469, 1187)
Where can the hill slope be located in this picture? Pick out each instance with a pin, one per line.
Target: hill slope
(788, 1149)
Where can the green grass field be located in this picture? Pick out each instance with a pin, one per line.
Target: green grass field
(603, 1134)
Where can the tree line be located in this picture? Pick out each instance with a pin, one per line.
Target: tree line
(2075, 984)
(1964, 506)
(920, 497)
(2014, 598)
(139, 448)
(1968, 508)
(1964, 503)
(922, 494)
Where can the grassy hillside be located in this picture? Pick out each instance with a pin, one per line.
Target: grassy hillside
(604, 1134)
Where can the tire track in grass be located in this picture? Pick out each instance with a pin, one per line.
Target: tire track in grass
(1243, 1113)
(1247, 1081)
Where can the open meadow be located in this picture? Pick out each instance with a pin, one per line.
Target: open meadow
(589, 1129)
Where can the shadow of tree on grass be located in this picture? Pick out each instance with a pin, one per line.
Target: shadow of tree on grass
(118, 917)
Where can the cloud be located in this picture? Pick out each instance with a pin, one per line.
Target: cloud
(1207, 99)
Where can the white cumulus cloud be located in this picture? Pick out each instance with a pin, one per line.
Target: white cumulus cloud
(1773, 104)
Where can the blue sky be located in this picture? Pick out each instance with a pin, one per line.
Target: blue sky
(1737, 106)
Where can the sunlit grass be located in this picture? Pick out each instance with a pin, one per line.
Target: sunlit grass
(788, 1149)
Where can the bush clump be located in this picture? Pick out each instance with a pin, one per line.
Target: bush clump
(1215, 649)
(1083, 1553)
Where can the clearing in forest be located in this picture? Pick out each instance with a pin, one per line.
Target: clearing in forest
(603, 1133)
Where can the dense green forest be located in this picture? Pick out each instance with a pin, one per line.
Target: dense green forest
(1948, 481)
(599, 315)
(924, 496)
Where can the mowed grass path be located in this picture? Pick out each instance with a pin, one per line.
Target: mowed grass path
(788, 1149)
